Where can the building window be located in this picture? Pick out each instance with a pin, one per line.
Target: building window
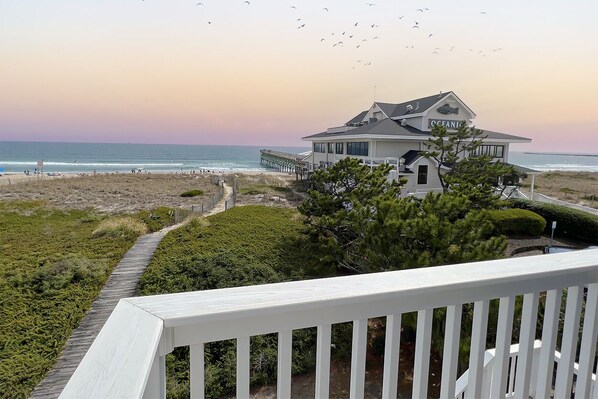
(359, 148)
(493, 151)
(319, 147)
(339, 148)
(422, 174)
(331, 148)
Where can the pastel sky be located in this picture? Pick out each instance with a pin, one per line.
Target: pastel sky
(226, 72)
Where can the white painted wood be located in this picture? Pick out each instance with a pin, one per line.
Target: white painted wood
(197, 371)
(512, 370)
(391, 356)
(550, 325)
(285, 353)
(477, 349)
(243, 363)
(156, 384)
(358, 352)
(323, 361)
(527, 336)
(450, 355)
(595, 383)
(588, 344)
(564, 374)
(419, 288)
(421, 367)
(504, 331)
(119, 362)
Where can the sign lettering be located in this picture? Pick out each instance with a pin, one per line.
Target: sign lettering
(444, 122)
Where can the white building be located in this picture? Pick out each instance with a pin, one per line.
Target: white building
(397, 133)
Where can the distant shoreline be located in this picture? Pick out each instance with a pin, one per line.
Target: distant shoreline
(561, 154)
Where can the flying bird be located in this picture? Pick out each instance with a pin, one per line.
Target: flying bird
(199, 4)
(401, 17)
(247, 2)
(325, 9)
(294, 7)
(356, 23)
(430, 35)
(371, 4)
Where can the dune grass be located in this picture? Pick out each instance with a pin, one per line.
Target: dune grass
(53, 264)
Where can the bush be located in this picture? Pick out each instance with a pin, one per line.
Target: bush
(571, 223)
(156, 219)
(119, 227)
(192, 193)
(518, 222)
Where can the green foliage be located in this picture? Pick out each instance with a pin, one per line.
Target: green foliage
(51, 269)
(119, 226)
(256, 189)
(244, 246)
(359, 222)
(156, 219)
(571, 223)
(476, 177)
(192, 193)
(518, 222)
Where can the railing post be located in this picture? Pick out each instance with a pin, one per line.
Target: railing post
(358, 352)
(285, 353)
(549, 335)
(451, 351)
(503, 345)
(391, 356)
(243, 363)
(156, 382)
(423, 340)
(197, 371)
(564, 374)
(526, 345)
(588, 345)
(323, 362)
(477, 349)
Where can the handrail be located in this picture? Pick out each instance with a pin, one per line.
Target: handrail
(142, 330)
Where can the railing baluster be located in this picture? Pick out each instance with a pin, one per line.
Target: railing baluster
(527, 336)
(564, 375)
(358, 352)
(588, 344)
(391, 356)
(421, 366)
(477, 349)
(243, 363)
(450, 355)
(503, 346)
(552, 310)
(323, 362)
(595, 385)
(156, 383)
(285, 353)
(512, 370)
(197, 371)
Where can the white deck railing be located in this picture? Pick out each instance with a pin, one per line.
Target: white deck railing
(127, 358)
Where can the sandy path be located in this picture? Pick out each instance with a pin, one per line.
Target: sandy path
(226, 199)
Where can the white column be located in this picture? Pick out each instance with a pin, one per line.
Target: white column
(391, 356)
(323, 362)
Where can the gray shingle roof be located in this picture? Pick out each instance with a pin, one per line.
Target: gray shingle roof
(419, 105)
(357, 118)
(382, 127)
(410, 156)
(502, 136)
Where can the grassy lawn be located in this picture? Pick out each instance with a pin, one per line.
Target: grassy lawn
(53, 263)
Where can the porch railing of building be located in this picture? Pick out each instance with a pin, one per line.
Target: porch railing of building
(128, 357)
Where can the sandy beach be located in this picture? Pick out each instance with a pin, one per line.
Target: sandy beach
(576, 187)
(113, 193)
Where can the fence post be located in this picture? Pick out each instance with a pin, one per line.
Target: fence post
(225, 205)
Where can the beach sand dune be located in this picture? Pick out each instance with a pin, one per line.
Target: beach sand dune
(112, 193)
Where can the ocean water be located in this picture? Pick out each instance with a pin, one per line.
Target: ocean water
(16, 157)
(554, 161)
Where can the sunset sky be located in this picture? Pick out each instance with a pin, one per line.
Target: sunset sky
(226, 72)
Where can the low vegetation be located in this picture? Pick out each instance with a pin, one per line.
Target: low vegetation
(53, 264)
(244, 246)
(521, 222)
(192, 193)
(571, 223)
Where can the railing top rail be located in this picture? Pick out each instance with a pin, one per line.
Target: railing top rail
(416, 289)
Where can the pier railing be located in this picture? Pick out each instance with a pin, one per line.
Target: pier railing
(128, 357)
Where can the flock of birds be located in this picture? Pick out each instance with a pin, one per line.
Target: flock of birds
(353, 36)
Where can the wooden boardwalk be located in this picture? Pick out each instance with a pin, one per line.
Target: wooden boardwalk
(122, 283)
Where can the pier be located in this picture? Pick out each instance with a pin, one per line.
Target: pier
(285, 162)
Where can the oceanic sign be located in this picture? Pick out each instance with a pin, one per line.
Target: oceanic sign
(447, 110)
(444, 122)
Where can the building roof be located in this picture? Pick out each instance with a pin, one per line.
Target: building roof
(357, 118)
(419, 105)
(382, 127)
(410, 156)
(502, 136)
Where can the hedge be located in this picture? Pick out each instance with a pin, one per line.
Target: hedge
(518, 222)
(571, 223)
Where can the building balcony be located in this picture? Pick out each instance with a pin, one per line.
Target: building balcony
(127, 360)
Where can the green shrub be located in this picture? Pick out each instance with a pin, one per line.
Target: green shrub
(571, 223)
(192, 193)
(518, 222)
(156, 219)
(244, 246)
(120, 226)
